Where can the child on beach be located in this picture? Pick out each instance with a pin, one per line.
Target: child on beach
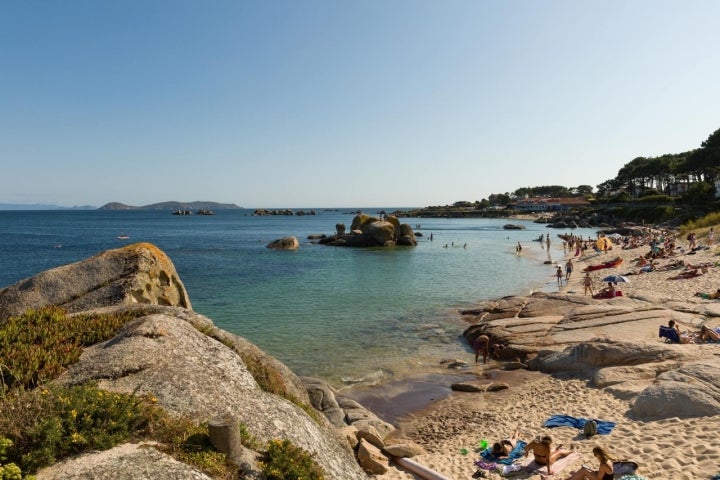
(588, 284)
(559, 275)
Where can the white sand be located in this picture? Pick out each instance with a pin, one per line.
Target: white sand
(680, 449)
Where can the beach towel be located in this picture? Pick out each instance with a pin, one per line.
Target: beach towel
(669, 333)
(604, 428)
(515, 453)
(557, 467)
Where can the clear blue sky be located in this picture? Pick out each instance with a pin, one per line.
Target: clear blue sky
(344, 103)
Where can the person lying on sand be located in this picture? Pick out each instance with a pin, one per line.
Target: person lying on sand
(709, 335)
(503, 448)
(544, 454)
(604, 471)
(692, 273)
(708, 296)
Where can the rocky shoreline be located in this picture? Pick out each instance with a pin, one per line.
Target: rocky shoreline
(563, 352)
(567, 353)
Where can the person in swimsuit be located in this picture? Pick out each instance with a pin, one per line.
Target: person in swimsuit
(588, 284)
(482, 344)
(604, 471)
(544, 454)
(709, 335)
(503, 448)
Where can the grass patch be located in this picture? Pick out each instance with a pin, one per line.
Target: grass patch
(702, 223)
(50, 423)
(40, 344)
(284, 461)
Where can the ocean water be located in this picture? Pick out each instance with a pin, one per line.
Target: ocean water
(345, 315)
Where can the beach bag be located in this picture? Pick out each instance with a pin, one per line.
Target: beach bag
(624, 467)
(590, 428)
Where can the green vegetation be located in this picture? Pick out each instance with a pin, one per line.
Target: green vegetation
(190, 443)
(284, 461)
(41, 424)
(702, 224)
(9, 471)
(685, 180)
(49, 423)
(40, 344)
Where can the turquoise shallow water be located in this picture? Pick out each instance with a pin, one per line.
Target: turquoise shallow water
(345, 315)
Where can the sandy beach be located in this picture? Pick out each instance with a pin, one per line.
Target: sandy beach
(675, 448)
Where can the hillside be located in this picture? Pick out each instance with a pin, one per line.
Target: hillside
(198, 205)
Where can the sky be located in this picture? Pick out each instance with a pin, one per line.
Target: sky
(325, 103)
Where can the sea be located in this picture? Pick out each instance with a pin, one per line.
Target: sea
(350, 316)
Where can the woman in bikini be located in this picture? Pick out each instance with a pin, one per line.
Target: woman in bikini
(544, 455)
(503, 448)
(604, 471)
(709, 335)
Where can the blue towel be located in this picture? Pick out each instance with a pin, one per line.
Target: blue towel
(515, 453)
(604, 428)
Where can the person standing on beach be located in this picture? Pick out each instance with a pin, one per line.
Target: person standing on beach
(711, 236)
(588, 283)
(559, 275)
(481, 344)
(568, 270)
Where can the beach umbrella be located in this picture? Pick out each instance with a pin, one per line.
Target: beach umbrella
(616, 279)
(604, 243)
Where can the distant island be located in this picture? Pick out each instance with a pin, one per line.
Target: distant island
(173, 206)
(42, 206)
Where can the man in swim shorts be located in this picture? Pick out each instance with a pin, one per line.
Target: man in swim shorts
(481, 344)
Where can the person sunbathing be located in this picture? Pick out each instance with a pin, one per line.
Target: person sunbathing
(503, 448)
(604, 471)
(709, 296)
(544, 454)
(692, 273)
(672, 332)
(607, 292)
(709, 335)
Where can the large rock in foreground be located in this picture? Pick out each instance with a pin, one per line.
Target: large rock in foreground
(136, 274)
(199, 371)
(125, 462)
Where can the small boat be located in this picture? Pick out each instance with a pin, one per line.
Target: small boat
(123, 236)
(609, 264)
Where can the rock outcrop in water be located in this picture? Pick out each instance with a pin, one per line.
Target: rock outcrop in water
(367, 231)
(191, 367)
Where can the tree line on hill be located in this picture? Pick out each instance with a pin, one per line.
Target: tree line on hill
(646, 188)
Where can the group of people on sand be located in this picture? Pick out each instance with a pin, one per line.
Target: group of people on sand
(705, 335)
(545, 455)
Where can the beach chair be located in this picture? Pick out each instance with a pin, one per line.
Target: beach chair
(669, 334)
